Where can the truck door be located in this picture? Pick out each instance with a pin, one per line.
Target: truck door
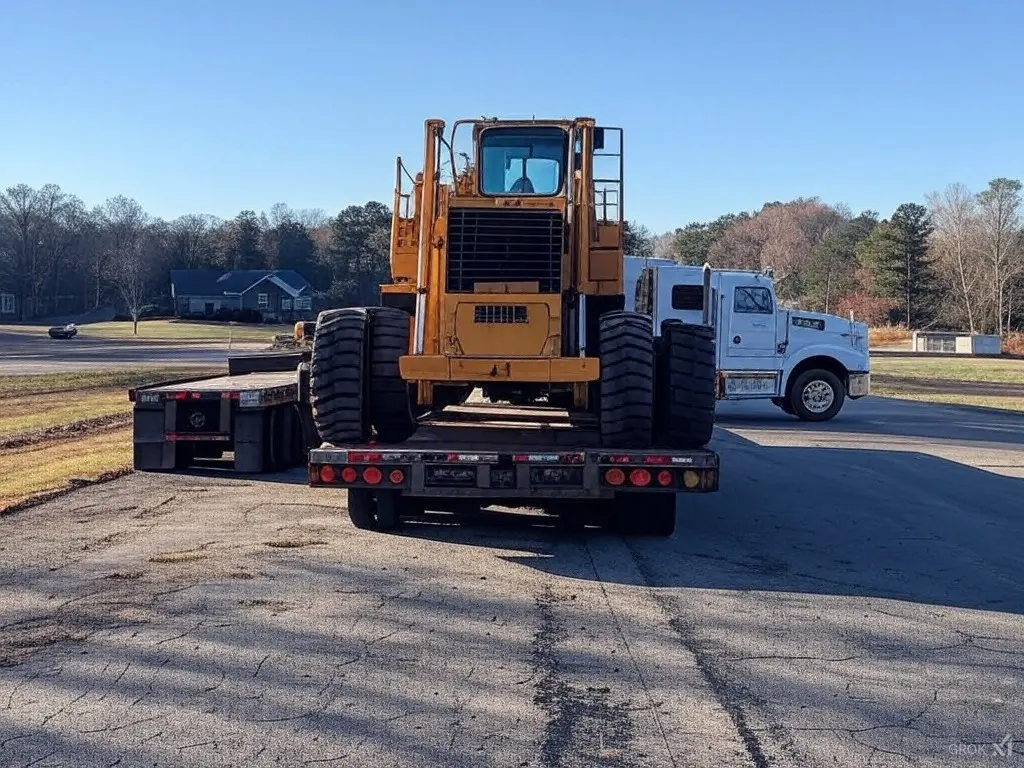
(751, 326)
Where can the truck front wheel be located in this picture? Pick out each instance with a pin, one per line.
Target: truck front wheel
(816, 395)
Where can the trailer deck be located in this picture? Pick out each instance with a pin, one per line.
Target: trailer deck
(255, 416)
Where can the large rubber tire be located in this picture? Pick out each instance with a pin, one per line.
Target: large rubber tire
(390, 398)
(361, 509)
(824, 394)
(338, 376)
(686, 385)
(626, 387)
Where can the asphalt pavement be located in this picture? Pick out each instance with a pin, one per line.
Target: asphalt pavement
(22, 354)
(853, 596)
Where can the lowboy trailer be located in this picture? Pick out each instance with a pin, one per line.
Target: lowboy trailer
(464, 457)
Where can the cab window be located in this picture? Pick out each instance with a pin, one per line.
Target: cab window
(523, 160)
(752, 301)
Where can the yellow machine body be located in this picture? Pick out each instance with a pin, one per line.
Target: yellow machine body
(501, 265)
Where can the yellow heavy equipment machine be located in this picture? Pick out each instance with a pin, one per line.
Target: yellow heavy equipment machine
(508, 276)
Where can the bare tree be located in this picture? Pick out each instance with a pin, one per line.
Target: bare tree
(124, 224)
(1002, 244)
(955, 245)
(193, 239)
(19, 207)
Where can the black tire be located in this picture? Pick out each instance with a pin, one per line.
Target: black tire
(361, 509)
(686, 385)
(338, 376)
(390, 398)
(640, 514)
(815, 385)
(626, 387)
(388, 506)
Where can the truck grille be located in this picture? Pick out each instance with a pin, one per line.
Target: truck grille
(502, 246)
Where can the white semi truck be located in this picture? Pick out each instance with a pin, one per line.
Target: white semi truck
(806, 363)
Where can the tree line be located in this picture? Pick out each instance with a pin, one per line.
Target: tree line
(58, 257)
(954, 263)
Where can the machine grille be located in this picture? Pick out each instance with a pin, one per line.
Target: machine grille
(490, 246)
(499, 313)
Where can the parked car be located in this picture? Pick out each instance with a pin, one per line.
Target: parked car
(63, 331)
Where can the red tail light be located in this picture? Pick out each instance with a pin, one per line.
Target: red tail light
(664, 477)
(327, 474)
(640, 477)
(614, 476)
(396, 476)
(372, 475)
(349, 475)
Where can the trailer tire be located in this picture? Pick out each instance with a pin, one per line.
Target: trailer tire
(338, 376)
(390, 397)
(816, 395)
(360, 509)
(626, 384)
(686, 384)
(374, 510)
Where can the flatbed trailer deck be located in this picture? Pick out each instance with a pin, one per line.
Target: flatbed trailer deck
(257, 416)
(474, 455)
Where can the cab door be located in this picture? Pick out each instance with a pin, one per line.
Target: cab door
(751, 326)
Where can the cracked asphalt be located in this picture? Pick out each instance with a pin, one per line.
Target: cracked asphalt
(853, 596)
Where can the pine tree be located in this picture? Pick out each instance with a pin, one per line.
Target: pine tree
(896, 255)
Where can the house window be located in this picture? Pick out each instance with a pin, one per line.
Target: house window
(263, 300)
(7, 303)
(304, 302)
(286, 304)
(753, 301)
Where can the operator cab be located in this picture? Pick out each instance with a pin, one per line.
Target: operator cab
(523, 160)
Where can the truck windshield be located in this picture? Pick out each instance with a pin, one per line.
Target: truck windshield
(522, 160)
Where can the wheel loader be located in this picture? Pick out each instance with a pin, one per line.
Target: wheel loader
(507, 277)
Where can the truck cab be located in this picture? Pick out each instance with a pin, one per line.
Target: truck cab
(806, 363)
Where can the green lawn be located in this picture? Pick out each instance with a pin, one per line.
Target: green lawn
(168, 330)
(79, 382)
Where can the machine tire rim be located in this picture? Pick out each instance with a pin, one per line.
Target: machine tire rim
(818, 396)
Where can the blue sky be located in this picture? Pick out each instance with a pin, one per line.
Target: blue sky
(221, 105)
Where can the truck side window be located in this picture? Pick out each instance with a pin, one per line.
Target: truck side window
(688, 297)
(752, 301)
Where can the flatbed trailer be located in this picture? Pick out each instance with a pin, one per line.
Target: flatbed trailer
(466, 457)
(255, 412)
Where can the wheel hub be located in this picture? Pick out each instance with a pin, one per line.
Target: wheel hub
(818, 396)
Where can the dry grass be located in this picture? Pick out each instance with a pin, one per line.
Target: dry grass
(51, 466)
(33, 412)
(988, 370)
(984, 401)
(166, 330)
(886, 335)
(1014, 344)
(82, 381)
(44, 462)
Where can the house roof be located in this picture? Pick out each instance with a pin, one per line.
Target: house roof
(214, 282)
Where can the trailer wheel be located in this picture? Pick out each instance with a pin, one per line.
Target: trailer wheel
(626, 385)
(816, 395)
(337, 376)
(360, 509)
(390, 400)
(374, 511)
(639, 514)
(685, 398)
